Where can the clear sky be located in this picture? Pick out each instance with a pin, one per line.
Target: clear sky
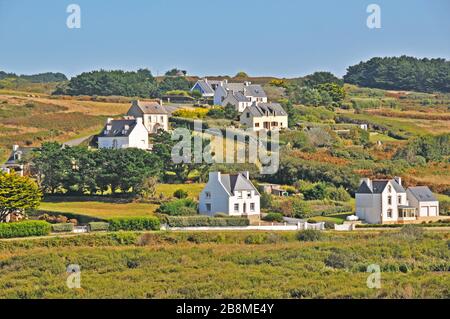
(217, 37)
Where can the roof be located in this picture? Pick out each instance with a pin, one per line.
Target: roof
(422, 193)
(236, 182)
(205, 86)
(378, 187)
(118, 128)
(151, 107)
(264, 109)
(255, 90)
(23, 151)
(240, 97)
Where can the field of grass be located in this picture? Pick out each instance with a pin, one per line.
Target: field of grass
(228, 265)
(193, 190)
(99, 209)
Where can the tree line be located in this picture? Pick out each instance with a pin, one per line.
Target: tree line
(139, 83)
(36, 78)
(401, 73)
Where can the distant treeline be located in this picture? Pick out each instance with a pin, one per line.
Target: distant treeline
(401, 73)
(46, 77)
(125, 83)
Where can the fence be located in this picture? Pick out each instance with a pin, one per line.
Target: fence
(344, 227)
(298, 226)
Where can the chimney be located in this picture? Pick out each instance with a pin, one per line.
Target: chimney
(206, 80)
(214, 176)
(109, 120)
(246, 174)
(160, 101)
(126, 127)
(108, 127)
(139, 120)
(15, 148)
(398, 180)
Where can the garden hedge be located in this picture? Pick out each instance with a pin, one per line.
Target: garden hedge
(198, 221)
(62, 228)
(98, 226)
(24, 229)
(134, 223)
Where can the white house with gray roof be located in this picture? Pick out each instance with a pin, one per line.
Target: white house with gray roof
(251, 93)
(154, 114)
(124, 133)
(231, 194)
(264, 116)
(387, 202)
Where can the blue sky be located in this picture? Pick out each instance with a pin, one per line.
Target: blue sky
(217, 37)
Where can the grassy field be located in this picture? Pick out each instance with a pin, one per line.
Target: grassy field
(100, 209)
(228, 265)
(167, 190)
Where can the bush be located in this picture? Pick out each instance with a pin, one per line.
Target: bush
(199, 221)
(412, 231)
(62, 228)
(255, 239)
(180, 194)
(174, 207)
(339, 259)
(24, 229)
(273, 217)
(98, 226)
(134, 223)
(309, 235)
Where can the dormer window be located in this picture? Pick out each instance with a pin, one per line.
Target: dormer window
(389, 188)
(17, 156)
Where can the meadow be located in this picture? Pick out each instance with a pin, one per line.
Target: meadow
(228, 265)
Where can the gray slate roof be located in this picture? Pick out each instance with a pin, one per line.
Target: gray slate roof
(152, 107)
(206, 87)
(118, 128)
(263, 109)
(378, 187)
(422, 193)
(236, 182)
(255, 90)
(24, 151)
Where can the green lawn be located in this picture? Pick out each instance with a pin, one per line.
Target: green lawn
(101, 209)
(168, 189)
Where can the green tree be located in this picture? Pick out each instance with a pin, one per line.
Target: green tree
(17, 194)
(230, 111)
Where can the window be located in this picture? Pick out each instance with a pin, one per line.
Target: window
(252, 207)
(236, 207)
(208, 207)
(249, 195)
(389, 213)
(389, 200)
(208, 195)
(248, 115)
(162, 119)
(389, 188)
(399, 199)
(256, 124)
(114, 144)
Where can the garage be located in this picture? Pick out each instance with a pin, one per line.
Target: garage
(433, 211)
(423, 211)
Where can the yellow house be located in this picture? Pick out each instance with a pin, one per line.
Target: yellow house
(264, 116)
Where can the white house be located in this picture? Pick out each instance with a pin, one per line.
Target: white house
(423, 200)
(245, 93)
(268, 116)
(206, 87)
(16, 160)
(232, 194)
(154, 114)
(387, 202)
(124, 133)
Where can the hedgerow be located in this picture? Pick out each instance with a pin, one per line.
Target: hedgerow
(134, 223)
(24, 229)
(62, 228)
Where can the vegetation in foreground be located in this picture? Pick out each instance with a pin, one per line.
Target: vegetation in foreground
(413, 264)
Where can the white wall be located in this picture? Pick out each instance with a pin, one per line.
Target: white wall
(218, 199)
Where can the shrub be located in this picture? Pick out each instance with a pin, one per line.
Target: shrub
(62, 228)
(412, 231)
(24, 229)
(134, 223)
(339, 259)
(309, 235)
(98, 226)
(180, 194)
(255, 239)
(173, 208)
(199, 221)
(273, 217)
